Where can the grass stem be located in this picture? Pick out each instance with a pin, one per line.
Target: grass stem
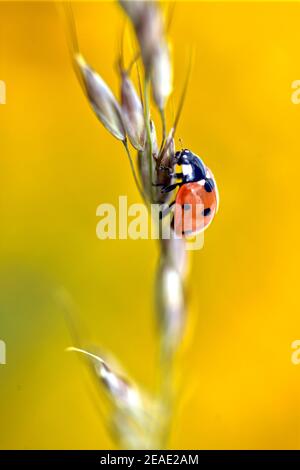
(148, 131)
(136, 180)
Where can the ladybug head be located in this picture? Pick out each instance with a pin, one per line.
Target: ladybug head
(186, 157)
(183, 157)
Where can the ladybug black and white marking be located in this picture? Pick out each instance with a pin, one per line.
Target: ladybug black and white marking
(197, 188)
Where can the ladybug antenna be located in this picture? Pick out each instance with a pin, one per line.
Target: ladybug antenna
(180, 142)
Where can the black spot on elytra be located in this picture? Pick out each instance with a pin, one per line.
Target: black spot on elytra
(206, 211)
(209, 185)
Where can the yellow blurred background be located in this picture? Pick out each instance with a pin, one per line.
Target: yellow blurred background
(57, 164)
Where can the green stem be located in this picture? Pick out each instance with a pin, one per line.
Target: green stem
(166, 397)
(133, 171)
(164, 130)
(148, 132)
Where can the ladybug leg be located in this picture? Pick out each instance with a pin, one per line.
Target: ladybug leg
(176, 175)
(170, 172)
(166, 210)
(167, 169)
(168, 188)
(171, 187)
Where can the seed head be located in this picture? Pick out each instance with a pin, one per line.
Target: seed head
(143, 162)
(132, 112)
(153, 136)
(168, 152)
(161, 76)
(118, 387)
(121, 392)
(101, 99)
(147, 22)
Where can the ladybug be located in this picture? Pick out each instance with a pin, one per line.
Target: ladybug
(197, 199)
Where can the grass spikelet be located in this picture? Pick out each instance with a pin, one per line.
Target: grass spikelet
(102, 99)
(132, 112)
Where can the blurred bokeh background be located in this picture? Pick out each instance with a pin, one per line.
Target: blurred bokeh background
(57, 164)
